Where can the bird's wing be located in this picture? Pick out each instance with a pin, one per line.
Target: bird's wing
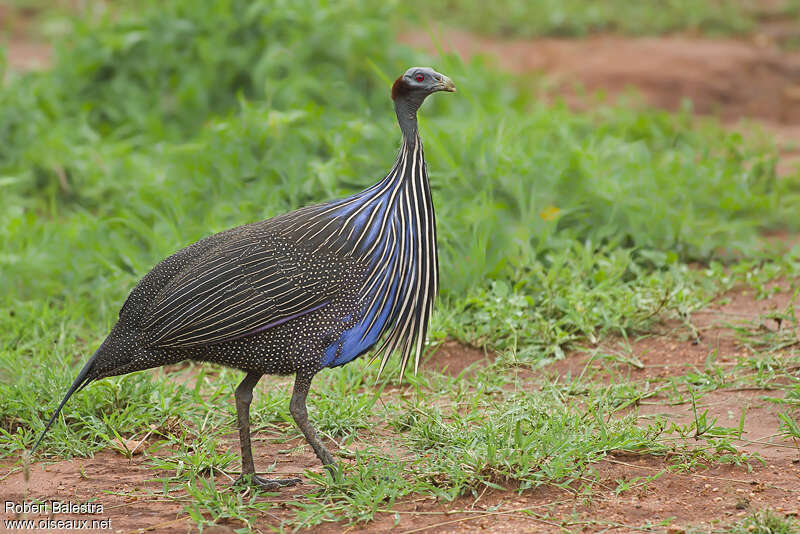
(239, 288)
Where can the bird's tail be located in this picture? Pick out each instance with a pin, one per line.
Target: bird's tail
(82, 380)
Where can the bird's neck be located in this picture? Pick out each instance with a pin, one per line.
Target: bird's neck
(406, 111)
(410, 164)
(411, 148)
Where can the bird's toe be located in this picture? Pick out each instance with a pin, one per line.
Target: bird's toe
(265, 483)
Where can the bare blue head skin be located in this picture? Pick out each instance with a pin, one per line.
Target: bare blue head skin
(411, 89)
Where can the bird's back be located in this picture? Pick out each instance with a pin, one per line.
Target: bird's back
(238, 282)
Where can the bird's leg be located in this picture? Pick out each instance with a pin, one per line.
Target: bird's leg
(297, 407)
(244, 395)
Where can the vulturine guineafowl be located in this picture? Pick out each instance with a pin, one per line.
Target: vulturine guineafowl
(313, 288)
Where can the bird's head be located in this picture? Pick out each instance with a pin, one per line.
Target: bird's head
(419, 82)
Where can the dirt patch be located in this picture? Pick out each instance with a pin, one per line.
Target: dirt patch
(708, 348)
(700, 499)
(730, 78)
(453, 358)
(710, 334)
(23, 52)
(754, 324)
(620, 500)
(650, 357)
(726, 408)
(25, 55)
(131, 497)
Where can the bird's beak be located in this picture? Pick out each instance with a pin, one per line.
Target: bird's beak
(447, 85)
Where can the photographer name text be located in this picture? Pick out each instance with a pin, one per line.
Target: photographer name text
(52, 507)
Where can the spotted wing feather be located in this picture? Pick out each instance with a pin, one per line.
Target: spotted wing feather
(242, 287)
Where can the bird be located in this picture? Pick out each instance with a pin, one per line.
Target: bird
(310, 289)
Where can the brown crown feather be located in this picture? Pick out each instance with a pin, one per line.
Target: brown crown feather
(400, 88)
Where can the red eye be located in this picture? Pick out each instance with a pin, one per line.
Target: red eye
(419, 77)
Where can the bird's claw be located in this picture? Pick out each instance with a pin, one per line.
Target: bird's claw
(265, 483)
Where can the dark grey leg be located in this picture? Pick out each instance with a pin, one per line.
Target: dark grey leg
(297, 407)
(244, 396)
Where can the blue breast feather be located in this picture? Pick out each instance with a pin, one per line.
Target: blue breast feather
(367, 330)
(357, 340)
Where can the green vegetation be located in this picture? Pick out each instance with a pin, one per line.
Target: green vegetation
(503, 18)
(762, 522)
(156, 128)
(574, 18)
(766, 523)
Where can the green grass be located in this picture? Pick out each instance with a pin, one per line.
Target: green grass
(766, 522)
(556, 229)
(761, 522)
(504, 18)
(576, 18)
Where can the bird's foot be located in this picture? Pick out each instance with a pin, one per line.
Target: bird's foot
(324, 456)
(335, 472)
(265, 483)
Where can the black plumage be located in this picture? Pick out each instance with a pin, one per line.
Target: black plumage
(310, 289)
